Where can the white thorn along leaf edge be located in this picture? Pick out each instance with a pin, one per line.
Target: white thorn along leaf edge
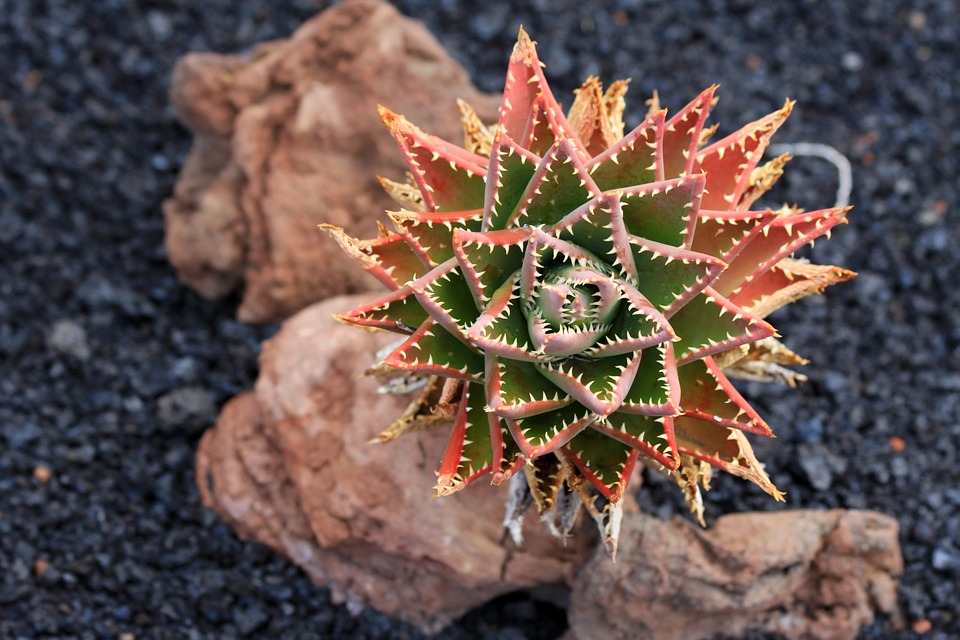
(824, 152)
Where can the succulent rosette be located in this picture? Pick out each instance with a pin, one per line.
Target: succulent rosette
(573, 296)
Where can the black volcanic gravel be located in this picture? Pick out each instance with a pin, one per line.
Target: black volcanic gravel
(109, 368)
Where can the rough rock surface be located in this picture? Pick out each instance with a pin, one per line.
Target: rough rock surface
(289, 137)
(798, 574)
(290, 465)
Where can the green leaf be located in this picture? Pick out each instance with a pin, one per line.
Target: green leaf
(397, 311)
(435, 351)
(430, 233)
(710, 323)
(487, 259)
(635, 159)
(665, 212)
(597, 226)
(637, 326)
(544, 432)
(707, 394)
(655, 390)
(598, 384)
(469, 453)
(445, 295)
(559, 186)
(605, 462)
(650, 435)
(516, 389)
(511, 169)
(502, 327)
(669, 276)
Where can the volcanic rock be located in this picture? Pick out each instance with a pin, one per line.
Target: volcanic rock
(798, 574)
(289, 137)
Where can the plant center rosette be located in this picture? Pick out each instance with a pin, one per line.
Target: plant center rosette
(574, 297)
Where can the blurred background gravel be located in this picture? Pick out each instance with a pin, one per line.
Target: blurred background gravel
(110, 370)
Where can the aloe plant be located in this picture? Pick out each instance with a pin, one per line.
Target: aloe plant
(574, 298)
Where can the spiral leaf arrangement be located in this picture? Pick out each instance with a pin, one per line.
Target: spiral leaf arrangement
(572, 296)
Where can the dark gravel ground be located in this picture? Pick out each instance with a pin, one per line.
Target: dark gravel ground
(109, 368)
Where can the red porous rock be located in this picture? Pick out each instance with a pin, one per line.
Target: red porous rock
(287, 138)
(800, 574)
(290, 465)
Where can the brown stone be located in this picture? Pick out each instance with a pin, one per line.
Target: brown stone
(801, 574)
(288, 138)
(290, 465)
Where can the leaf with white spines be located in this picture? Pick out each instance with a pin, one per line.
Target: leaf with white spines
(449, 177)
(729, 163)
(600, 385)
(639, 325)
(724, 234)
(776, 241)
(445, 295)
(598, 227)
(397, 311)
(544, 432)
(665, 212)
(559, 185)
(669, 276)
(707, 394)
(652, 436)
(388, 258)
(429, 234)
(433, 350)
(605, 462)
(634, 160)
(488, 258)
(786, 282)
(516, 389)
(681, 136)
(510, 171)
(507, 457)
(656, 388)
(469, 453)
(501, 329)
(710, 323)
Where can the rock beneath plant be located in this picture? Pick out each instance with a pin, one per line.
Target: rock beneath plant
(290, 465)
(289, 137)
(801, 574)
